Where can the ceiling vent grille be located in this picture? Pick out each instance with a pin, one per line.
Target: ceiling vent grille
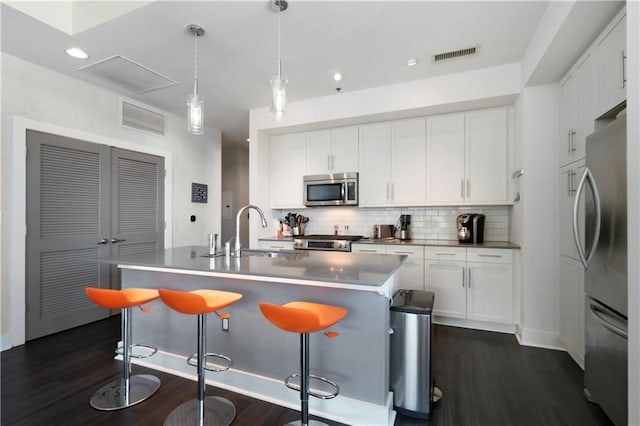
(128, 74)
(454, 54)
(139, 118)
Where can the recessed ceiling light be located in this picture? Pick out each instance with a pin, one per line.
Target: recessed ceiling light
(411, 62)
(76, 52)
(337, 76)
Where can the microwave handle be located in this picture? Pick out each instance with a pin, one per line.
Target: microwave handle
(344, 192)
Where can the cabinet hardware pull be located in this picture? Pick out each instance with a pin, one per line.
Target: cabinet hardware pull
(469, 280)
(463, 277)
(468, 188)
(333, 162)
(117, 240)
(623, 80)
(489, 255)
(569, 183)
(403, 252)
(104, 241)
(461, 188)
(573, 141)
(276, 247)
(442, 253)
(368, 251)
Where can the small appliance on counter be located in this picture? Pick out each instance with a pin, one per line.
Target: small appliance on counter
(404, 230)
(470, 228)
(382, 231)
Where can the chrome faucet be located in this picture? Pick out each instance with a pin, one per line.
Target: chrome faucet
(264, 224)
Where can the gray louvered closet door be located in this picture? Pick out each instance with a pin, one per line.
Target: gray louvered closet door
(137, 206)
(78, 195)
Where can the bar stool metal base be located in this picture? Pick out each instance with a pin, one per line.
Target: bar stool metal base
(113, 396)
(218, 411)
(311, 423)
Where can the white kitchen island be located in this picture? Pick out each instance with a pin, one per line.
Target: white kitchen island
(263, 355)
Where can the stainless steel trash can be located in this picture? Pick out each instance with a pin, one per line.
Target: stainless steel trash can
(411, 376)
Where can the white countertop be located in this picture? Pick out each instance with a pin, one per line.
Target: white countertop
(356, 271)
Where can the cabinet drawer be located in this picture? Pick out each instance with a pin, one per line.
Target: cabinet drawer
(489, 255)
(368, 248)
(276, 245)
(446, 253)
(414, 252)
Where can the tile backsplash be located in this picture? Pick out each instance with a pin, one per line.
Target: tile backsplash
(429, 223)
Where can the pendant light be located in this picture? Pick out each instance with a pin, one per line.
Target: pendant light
(278, 93)
(195, 104)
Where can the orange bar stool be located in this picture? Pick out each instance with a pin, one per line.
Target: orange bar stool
(305, 318)
(129, 390)
(210, 410)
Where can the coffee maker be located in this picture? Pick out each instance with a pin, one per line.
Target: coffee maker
(404, 233)
(470, 228)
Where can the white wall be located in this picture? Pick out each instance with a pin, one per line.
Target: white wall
(537, 214)
(34, 97)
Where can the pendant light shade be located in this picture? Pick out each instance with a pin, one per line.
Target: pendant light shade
(278, 91)
(195, 104)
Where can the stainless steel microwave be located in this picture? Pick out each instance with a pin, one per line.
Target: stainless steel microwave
(337, 189)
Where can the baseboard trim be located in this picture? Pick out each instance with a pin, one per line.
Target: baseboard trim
(476, 325)
(340, 409)
(5, 342)
(540, 339)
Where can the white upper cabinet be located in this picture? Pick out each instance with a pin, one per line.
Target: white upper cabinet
(332, 151)
(374, 165)
(467, 159)
(287, 170)
(445, 158)
(392, 163)
(612, 76)
(486, 136)
(344, 150)
(577, 109)
(408, 146)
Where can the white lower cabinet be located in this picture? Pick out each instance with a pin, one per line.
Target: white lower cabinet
(411, 274)
(473, 284)
(447, 280)
(572, 304)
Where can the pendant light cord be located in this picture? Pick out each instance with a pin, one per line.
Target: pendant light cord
(279, 60)
(195, 63)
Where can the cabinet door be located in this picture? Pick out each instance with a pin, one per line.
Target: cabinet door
(411, 273)
(344, 147)
(490, 292)
(447, 281)
(318, 156)
(568, 119)
(368, 248)
(611, 68)
(571, 305)
(486, 136)
(408, 147)
(287, 170)
(374, 149)
(445, 158)
(587, 107)
(567, 185)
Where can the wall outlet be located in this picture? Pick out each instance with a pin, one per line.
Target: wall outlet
(225, 324)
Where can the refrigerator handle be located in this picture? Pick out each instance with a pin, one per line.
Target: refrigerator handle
(598, 313)
(585, 258)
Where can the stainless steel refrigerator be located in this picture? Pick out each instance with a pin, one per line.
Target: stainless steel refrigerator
(603, 186)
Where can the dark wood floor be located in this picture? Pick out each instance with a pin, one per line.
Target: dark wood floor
(486, 379)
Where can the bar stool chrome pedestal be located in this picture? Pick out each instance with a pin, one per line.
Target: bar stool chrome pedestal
(305, 318)
(205, 410)
(129, 390)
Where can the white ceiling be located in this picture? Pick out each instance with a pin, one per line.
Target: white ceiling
(369, 42)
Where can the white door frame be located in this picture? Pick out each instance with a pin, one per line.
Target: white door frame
(17, 235)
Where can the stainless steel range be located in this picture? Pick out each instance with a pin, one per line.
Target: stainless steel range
(325, 242)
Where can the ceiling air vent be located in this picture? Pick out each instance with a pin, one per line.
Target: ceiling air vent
(439, 57)
(139, 118)
(128, 74)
